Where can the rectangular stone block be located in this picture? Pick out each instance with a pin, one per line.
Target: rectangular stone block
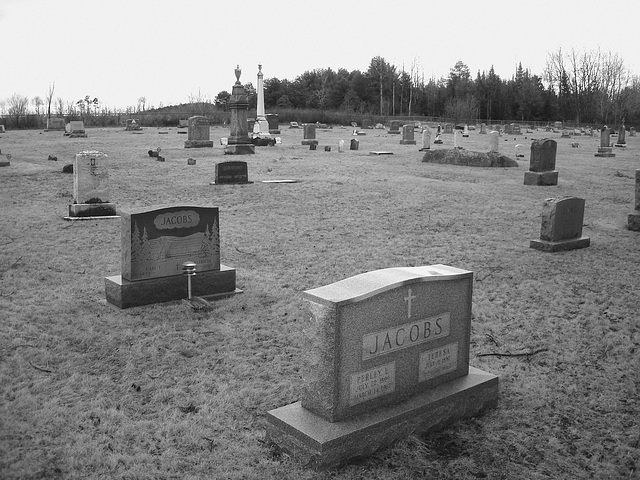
(561, 245)
(231, 173)
(633, 221)
(157, 241)
(320, 444)
(125, 294)
(92, 209)
(541, 178)
(543, 155)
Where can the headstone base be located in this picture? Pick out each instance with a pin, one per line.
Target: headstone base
(125, 294)
(633, 221)
(274, 132)
(541, 178)
(394, 132)
(92, 209)
(76, 135)
(240, 149)
(623, 145)
(605, 152)
(198, 143)
(309, 142)
(407, 142)
(424, 149)
(318, 443)
(560, 245)
(5, 164)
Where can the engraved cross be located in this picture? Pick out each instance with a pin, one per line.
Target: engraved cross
(408, 299)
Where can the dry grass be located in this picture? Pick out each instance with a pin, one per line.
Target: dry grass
(167, 392)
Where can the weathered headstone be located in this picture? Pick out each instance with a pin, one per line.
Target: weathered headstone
(199, 133)
(388, 356)
(155, 244)
(309, 134)
(515, 129)
(183, 123)
(448, 128)
(191, 161)
(605, 149)
(465, 131)
(561, 228)
(2, 130)
(75, 129)
(367, 123)
(632, 132)
(239, 142)
(341, 146)
(494, 138)
(407, 135)
(455, 139)
(55, 123)
(621, 137)
(633, 220)
(355, 144)
(542, 164)
(557, 125)
(233, 172)
(426, 139)
(483, 128)
(394, 127)
(91, 186)
(274, 123)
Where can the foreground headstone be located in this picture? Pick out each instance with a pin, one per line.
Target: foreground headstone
(633, 220)
(605, 149)
(309, 134)
(199, 131)
(542, 163)
(561, 228)
(388, 356)
(233, 172)
(91, 186)
(407, 135)
(239, 142)
(155, 244)
(426, 139)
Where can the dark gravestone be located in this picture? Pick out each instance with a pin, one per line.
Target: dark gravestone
(387, 356)
(233, 172)
(407, 135)
(155, 244)
(561, 228)
(633, 221)
(355, 144)
(309, 135)
(605, 149)
(542, 163)
(395, 127)
(199, 132)
(274, 123)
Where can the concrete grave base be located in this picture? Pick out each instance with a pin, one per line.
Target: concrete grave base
(633, 221)
(318, 443)
(92, 210)
(309, 142)
(198, 144)
(560, 245)
(209, 284)
(240, 149)
(407, 142)
(605, 152)
(541, 178)
(4, 163)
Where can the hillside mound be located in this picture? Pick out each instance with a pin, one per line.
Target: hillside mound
(468, 158)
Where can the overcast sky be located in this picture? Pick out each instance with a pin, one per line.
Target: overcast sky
(169, 50)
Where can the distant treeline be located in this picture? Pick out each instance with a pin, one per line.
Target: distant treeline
(578, 88)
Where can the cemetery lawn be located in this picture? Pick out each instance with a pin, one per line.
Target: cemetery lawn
(165, 391)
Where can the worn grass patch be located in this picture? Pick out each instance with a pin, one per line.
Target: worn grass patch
(163, 391)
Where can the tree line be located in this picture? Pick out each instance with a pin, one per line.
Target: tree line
(579, 87)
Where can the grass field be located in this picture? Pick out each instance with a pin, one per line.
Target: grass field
(164, 391)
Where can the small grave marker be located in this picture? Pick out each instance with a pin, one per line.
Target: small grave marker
(561, 228)
(355, 144)
(407, 135)
(231, 173)
(395, 127)
(605, 149)
(309, 134)
(542, 163)
(91, 196)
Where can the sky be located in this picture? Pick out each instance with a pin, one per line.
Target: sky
(169, 51)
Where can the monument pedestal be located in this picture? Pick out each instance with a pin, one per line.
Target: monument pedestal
(5, 163)
(633, 221)
(240, 149)
(316, 442)
(125, 294)
(309, 142)
(541, 178)
(407, 142)
(560, 245)
(605, 152)
(198, 143)
(92, 210)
